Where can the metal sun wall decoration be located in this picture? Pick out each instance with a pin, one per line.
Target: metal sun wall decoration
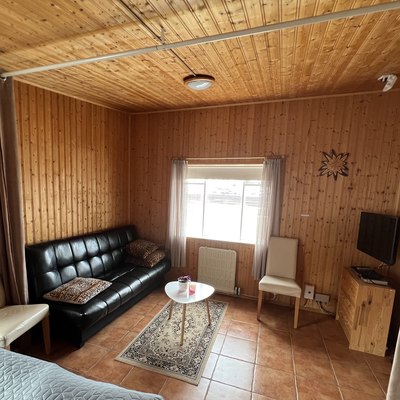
(334, 164)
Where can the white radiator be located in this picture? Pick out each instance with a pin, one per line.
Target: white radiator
(217, 267)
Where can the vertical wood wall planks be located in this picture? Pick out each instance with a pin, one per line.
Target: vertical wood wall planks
(74, 164)
(86, 168)
(321, 212)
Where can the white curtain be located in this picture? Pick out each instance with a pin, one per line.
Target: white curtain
(269, 213)
(12, 240)
(393, 392)
(176, 237)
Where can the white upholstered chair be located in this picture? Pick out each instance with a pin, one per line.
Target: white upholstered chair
(18, 319)
(280, 276)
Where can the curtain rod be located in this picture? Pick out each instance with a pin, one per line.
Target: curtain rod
(269, 157)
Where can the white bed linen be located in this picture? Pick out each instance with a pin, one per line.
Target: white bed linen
(27, 378)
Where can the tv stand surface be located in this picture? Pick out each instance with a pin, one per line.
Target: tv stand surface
(364, 312)
(370, 275)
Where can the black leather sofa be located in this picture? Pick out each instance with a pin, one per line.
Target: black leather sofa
(98, 255)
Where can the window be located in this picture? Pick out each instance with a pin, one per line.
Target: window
(222, 202)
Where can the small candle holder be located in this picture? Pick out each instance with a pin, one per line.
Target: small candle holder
(184, 282)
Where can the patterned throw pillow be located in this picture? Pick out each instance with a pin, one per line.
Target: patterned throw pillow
(153, 258)
(140, 248)
(77, 291)
(150, 261)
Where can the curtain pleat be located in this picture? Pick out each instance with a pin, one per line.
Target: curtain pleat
(269, 214)
(12, 241)
(176, 236)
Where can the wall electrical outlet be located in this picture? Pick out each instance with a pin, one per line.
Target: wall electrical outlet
(309, 291)
(323, 298)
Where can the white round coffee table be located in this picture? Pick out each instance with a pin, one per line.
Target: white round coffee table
(202, 292)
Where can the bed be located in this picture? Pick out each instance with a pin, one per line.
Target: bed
(26, 378)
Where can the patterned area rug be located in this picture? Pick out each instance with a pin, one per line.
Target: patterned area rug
(157, 347)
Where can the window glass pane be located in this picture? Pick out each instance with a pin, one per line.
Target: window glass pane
(223, 209)
(250, 210)
(194, 221)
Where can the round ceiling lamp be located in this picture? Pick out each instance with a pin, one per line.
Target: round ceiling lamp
(198, 82)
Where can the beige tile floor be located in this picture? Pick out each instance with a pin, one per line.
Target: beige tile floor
(249, 360)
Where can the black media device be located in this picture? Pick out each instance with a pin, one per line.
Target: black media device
(378, 236)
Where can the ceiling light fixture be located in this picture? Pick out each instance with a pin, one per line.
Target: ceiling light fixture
(198, 82)
(389, 80)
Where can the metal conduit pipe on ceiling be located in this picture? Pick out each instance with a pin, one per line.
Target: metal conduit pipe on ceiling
(213, 38)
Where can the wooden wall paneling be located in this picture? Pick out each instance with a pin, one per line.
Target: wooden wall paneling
(41, 161)
(55, 171)
(73, 159)
(293, 200)
(206, 146)
(356, 150)
(301, 130)
(233, 121)
(104, 156)
(222, 132)
(108, 156)
(78, 184)
(342, 125)
(87, 150)
(240, 132)
(22, 116)
(35, 172)
(67, 135)
(84, 168)
(69, 155)
(61, 162)
(96, 169)
(326, 188)
(120, 191)
(92, 169)
(296, 165)
(383, 144)
(72, 165)
(199, 139)
(48, 165)
(209, 146)
(330, 278)
(156, 157)
(139, 156)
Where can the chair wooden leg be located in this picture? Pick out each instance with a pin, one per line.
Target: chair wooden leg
(8, 347)
(296, 312)
(260, 299)
(46, 334)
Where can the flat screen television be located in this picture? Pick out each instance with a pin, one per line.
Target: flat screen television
(378, 236)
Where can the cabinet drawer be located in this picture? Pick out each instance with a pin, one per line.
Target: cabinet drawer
(349, 286)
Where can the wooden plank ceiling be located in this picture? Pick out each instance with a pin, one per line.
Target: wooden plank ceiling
(327, 58)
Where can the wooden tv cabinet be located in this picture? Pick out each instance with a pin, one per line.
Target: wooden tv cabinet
(364, 312)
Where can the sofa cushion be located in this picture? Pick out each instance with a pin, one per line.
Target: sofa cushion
(78, 290)
(150, 261)
(140, 248)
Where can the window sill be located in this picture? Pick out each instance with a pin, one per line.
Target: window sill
(220, 240)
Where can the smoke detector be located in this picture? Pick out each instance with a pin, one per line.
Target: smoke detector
(389, 80)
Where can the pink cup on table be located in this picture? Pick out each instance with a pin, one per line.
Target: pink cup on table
(192, 288)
